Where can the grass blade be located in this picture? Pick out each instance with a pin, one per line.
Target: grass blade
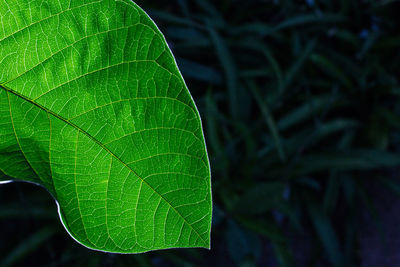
(268, 119)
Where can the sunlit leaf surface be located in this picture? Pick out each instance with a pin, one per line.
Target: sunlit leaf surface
(94, 108)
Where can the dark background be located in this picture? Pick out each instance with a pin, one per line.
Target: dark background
(300, 106)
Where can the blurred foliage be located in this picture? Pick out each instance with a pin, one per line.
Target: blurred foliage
(299, 101)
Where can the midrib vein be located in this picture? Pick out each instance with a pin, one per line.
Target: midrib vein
(103, 147)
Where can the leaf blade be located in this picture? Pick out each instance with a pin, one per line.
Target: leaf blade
(123, 143)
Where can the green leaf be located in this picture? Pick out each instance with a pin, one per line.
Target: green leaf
(94, 108)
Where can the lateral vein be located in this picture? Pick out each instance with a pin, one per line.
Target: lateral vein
(105, 148)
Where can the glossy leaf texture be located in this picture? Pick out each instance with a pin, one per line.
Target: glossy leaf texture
(94, 108)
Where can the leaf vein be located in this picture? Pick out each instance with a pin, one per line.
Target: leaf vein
(108, 150)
